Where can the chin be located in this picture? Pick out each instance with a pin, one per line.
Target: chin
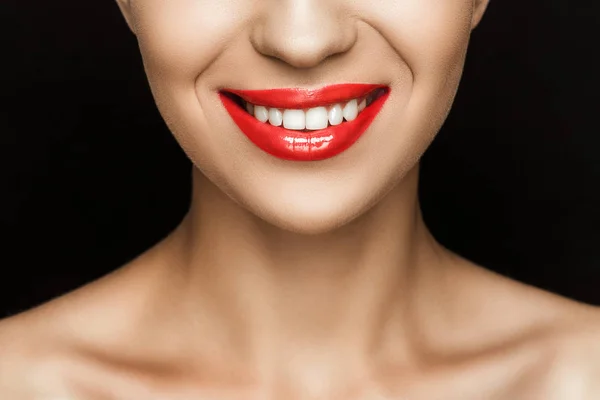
(311, 212)
(311, 223)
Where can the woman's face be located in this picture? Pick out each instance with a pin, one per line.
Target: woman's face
(193, 50)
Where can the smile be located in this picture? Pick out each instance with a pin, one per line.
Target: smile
(305, 125)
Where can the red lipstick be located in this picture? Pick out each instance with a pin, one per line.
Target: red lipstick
(304, 145)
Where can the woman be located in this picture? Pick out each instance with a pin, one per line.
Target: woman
(303, 268)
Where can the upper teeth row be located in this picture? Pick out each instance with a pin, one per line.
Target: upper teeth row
(311, 119)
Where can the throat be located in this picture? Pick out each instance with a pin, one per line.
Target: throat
(258, 290)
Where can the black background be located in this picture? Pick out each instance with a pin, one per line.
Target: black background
(90, 176)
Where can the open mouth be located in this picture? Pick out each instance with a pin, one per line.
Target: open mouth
(309, 119)
(305, 125)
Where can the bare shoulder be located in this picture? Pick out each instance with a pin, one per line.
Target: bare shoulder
(561, 364)
(557, 338)
(570, 369)
(574, 371)
(35, 345)
(25, 361)
(43, 351)
(564, 354)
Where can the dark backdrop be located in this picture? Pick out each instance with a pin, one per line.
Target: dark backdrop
(90, 176)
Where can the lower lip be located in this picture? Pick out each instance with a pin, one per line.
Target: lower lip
(293, 145)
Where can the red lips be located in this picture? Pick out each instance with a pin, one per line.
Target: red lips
(303, 145)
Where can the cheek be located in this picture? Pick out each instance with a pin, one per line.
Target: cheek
(179, 39)
(431, 36)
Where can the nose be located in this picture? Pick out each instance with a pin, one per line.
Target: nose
(303, 33)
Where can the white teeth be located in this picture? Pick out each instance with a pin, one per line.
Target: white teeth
(350, 110)
(362, 105)
(261, 113)
(335, 115)
(316, 118)
(275, 117)
(294, 119)
(312, 119)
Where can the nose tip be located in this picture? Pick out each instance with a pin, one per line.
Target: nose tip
(303, 33)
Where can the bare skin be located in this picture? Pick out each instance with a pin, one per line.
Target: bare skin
(312, 280)
(170, 325)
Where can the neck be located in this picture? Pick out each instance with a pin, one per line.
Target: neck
(274, 291)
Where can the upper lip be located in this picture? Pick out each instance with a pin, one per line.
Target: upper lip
(297, 98)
